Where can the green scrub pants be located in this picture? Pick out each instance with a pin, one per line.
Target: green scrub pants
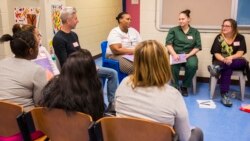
(191, 67)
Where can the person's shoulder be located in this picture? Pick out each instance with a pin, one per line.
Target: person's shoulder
(115, 29)
(194, 29)
(72, 32)
(126, 80)
(172, 90)
(58, 35)
(218, 36)
(131, 28)
(240, 35)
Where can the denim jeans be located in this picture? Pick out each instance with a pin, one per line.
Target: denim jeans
(112, 84)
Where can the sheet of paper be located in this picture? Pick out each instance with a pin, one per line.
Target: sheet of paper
(44, 62)
(206, 104)
(129, 57)
(181, 60)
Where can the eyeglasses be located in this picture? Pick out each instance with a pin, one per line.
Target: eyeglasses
(226, 26)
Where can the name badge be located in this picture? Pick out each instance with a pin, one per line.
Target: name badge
(75, 44)
(190, 37)
(237, 43)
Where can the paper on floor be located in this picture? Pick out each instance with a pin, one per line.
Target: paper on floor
(206, 104)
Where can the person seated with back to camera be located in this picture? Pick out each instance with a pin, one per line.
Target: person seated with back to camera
(43, 58)
(121, 41)
(228, 49)
(77, 88)
(21, 79)
(146, 92)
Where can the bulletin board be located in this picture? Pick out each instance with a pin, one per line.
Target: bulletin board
(205, 14)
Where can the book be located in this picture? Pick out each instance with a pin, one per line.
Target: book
(181, 60)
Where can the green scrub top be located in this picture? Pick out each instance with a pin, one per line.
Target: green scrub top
(181, 42)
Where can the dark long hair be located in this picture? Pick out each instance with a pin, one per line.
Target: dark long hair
(21, 42)
(77, 88)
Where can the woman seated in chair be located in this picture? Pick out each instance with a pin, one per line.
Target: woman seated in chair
(147, 94)
(228, 48)
(184, 40)
(121, 41)
(21, 79)
(77, 87)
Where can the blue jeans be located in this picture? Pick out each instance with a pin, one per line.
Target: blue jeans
(112, 77)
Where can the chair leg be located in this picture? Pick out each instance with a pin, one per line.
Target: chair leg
(213, 82)
(194, 81)
(242, 86)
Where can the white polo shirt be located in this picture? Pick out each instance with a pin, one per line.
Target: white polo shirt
(128, 40)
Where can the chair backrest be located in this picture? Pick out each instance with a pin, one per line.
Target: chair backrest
(8, 115)
(104, 47)
(59, 125)
(132, 129)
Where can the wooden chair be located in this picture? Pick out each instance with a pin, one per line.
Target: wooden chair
(132, 129)
(59, 125)
(9, 129)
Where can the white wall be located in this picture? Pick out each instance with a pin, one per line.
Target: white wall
(148, 31)
(4, 28)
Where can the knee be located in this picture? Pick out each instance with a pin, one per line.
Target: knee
(192, 66)
(196, 134)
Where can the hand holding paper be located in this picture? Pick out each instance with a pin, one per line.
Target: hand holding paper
(182, 59)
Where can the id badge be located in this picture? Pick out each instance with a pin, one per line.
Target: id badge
(189, 37)
(237, 43)
(75, 44)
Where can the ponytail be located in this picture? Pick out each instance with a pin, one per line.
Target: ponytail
(6, 37)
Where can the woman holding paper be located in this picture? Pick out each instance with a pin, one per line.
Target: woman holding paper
(121, 41)
(183, 40)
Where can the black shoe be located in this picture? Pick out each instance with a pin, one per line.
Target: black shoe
(214, 70)
(184, 91)
(225, 100)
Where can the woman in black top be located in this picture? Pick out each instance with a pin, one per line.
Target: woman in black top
(228, 50)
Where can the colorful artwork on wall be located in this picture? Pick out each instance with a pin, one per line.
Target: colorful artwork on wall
(55, 16)
(24, 15)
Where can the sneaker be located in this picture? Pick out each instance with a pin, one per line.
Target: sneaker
(214, 70)
(184, 91)
(225, 100)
